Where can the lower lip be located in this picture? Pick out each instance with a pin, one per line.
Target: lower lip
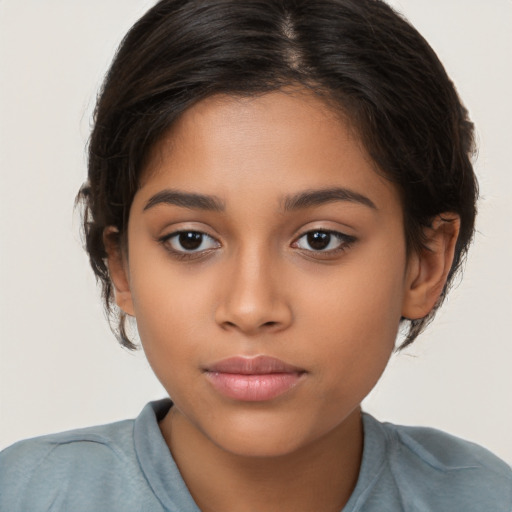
(253, 388)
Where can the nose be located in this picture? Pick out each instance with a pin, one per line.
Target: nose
(253, 298)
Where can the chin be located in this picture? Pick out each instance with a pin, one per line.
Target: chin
(258, 445)
(260, 435)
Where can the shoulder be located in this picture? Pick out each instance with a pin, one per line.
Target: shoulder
(36, 473)
(445, 471)
(101, 442)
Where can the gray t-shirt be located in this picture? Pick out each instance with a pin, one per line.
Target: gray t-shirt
(127, 467)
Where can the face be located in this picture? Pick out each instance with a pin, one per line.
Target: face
(266, 269)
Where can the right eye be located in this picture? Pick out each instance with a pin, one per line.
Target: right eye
(185, 243)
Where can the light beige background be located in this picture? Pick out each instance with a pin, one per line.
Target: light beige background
(60, 367)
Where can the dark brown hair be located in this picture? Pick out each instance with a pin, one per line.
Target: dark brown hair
(359, 55)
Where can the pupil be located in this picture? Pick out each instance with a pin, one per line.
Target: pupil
(319, 240)
(190, 240)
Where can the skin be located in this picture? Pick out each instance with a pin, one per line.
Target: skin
(257, 287)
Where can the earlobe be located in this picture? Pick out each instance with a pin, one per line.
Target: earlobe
(428, 268)
(118, 269)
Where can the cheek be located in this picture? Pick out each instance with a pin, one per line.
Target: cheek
(171, 310)
(354, 323)
(362, 302)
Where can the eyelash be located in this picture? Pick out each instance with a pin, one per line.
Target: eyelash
(345, 243)
(182, 255)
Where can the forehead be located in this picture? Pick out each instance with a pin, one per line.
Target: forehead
(288, 140)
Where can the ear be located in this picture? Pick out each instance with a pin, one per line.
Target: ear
(118, 269)
(427, 268)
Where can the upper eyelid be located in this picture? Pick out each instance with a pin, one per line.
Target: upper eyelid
(184, 254)
(176, 232)
(335, 232)
(323, 230)
(338, 234)
(190, 230)
(297, 235)
(179, 231)
(296, 238)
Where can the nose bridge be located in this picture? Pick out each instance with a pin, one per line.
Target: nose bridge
(253, 297)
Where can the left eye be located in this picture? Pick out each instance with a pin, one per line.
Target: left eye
(323, 241)
(190, 242)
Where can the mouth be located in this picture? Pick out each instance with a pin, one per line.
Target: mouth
(254, 379)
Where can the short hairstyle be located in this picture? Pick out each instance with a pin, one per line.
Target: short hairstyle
(360, 56)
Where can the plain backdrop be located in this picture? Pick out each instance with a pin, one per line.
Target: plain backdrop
(61, 368)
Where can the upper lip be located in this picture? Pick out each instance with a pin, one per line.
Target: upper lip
(258, 365)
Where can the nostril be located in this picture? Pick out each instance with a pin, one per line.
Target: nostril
(253, 317)
(265, 325)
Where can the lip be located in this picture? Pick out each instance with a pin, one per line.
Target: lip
(254, 379)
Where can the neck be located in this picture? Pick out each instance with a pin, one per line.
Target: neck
(320, 476)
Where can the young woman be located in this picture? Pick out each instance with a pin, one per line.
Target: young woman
(275, 188)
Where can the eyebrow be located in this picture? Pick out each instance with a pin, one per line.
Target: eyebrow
(186, 200)
(310, 198)
(299, 201)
